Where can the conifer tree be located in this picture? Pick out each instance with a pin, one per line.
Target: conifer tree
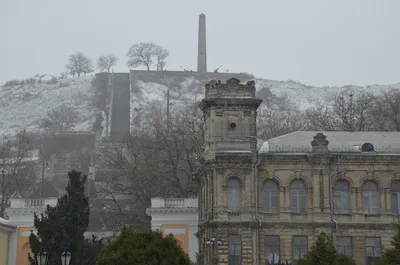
(323, 252)
(392, 256)
(63, 226)
(143, 248)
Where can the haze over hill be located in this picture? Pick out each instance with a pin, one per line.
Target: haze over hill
(24, 104)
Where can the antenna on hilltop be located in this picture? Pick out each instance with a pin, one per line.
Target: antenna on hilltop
(216, 69)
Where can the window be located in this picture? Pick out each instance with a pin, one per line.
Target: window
(299, 247)
(344, 245)
(373, 250)
(235, 250)
(271, 249)
(270, 197)
(395, 190)
(371, 197)
(234, 196)
(298, 197)
(341, 197)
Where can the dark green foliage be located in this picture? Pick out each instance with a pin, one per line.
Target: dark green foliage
(90, 250)
(143, 248)
(324, 253)
(392, 256)
(63, 225)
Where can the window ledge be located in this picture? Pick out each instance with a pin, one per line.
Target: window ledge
(343, 214)
(372, 214)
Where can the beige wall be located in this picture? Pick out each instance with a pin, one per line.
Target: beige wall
(3, 247)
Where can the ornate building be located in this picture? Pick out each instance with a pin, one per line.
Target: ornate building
(269, 201)
(177, 216)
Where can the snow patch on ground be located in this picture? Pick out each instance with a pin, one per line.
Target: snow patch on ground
(23, 106)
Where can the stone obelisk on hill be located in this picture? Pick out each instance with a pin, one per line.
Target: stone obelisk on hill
(202, 53)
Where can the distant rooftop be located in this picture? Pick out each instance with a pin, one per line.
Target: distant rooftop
(300, 142)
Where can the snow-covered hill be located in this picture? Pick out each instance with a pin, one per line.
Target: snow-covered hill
(24, 105)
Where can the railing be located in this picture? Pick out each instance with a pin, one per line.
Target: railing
(174, 202)
(34, 203)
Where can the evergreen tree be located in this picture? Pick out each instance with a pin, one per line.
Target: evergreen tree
(143, 248)
(63, 226)
(392, 256)
(323, 252)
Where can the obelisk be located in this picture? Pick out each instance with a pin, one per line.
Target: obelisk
(202, 51)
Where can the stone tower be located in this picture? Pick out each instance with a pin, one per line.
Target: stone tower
(226, 197)
(202, 47)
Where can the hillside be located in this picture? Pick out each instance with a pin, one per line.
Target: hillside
(24, 104)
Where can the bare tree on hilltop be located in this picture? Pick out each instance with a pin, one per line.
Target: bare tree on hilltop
(106, 62)
(147, 54)
(60, 119)
(157, 161)
(17, 173)
(79, 64)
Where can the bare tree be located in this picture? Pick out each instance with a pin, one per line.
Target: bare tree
(144, 54)
(157, 161)
(132, 176)
(60, 119)
(275, 122)
(161, 56)
(79, 64)
(346, 112)
(387, 110)
(16, 168)
(106, 62)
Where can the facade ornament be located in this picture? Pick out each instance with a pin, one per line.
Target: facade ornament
(297, 174)
(369, 175)
(320, 144)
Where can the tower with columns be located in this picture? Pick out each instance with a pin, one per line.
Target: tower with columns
(227, 196)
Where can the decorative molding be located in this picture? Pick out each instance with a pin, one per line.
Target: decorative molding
(247, 112)
(369, 174)
(219, 112)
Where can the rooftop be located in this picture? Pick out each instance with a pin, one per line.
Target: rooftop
(341, 142)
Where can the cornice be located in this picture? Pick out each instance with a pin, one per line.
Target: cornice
(171, 210)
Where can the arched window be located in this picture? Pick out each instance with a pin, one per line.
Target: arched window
(234, 195)
(371, 197)
(395, 190)
(298, 197)
(270, 197)
(341, 197)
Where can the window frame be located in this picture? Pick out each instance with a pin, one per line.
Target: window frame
(298, 195)
(368, 207)
(346, 250)
(294, 258)
(267, 195)
(273, 247)
(372, 248)
(341, 194)
(395, 191)
(233, 198)
(234, 241)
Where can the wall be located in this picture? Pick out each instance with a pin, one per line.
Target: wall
(178, 216)
(3, 247)
(23, 247)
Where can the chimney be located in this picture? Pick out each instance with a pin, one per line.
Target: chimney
(202, 49)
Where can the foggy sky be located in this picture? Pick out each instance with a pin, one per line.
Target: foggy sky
(316, 42)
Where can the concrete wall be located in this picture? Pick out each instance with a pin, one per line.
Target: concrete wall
(120, 105)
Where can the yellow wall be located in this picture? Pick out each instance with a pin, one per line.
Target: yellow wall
(23, 247)
(183, 239)
(3, 247)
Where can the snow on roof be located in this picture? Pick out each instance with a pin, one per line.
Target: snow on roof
(300, 141)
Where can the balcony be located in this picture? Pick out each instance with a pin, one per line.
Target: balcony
(174, 202)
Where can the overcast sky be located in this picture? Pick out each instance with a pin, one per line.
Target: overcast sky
(317, 42)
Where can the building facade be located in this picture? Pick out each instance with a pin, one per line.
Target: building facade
(177, 216)
(20, 214)
(7, 234)
(269, 202)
